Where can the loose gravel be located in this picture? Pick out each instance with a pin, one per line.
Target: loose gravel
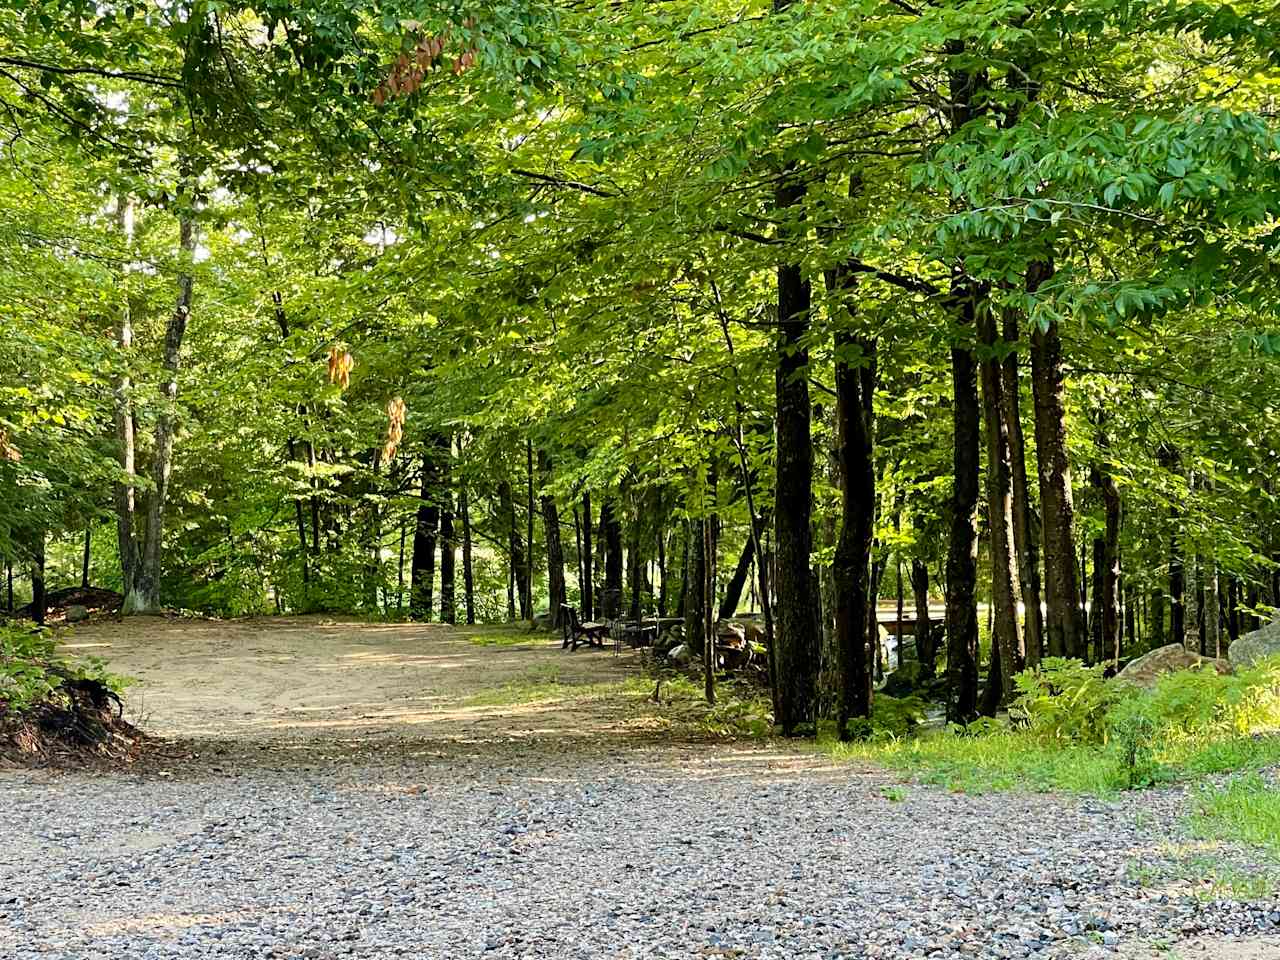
(533, 851)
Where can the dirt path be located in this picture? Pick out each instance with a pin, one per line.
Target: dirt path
(310, 678)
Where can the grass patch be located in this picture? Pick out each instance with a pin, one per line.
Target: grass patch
(547, 686)
(1015, 759)
(1246, 809)
(510, 636)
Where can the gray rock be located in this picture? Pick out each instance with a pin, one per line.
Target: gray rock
(77, 614)
(1249, 648)
(1149, 667)
(680, 654)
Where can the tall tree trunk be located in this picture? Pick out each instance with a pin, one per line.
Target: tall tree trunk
(1106, 564)
(797, 647)
(856, 630)
(8, 573)
(128, 532)
(1007, 633)
(611, 533)
(1155, 617)
(709, 619)
(515, 548)
(551, 534)
(39, 602)
(925, 651)
(143, 594)
(588, 574)
(526, 597)
(1192, 639)
(733, 589)
(84, 559)
(448, 539)
(695, 599)
(663, 587)
(468, 571)
(1064, 625)
(962, 552)
(636, 562)
(1026, 546)
(422, 569)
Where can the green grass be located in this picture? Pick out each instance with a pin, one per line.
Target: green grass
(1010, 760)
(547, 686)
(1246, 809)
(512, 635)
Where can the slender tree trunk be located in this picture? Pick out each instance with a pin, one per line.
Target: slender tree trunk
(1107, 558)
(1155, 617)
(695, 600)
(636, 562)
(962, 554)
(468, 574)
(588, 574)
(856, 630)
(1025, 534)
(551, 534)
(1233, 609)
(400, 566)
(448, 547)
(526, 597)
(143, 594)
(1007, 632)
(925, 651)
(1064, 625)
(663, 588)
(1192, 639)
(709, 618)
(611, 534)
(515, 549)
(128, 532)
(39, 602)
(84, 560)
(8, 572)
(423, 565)
(741, 573)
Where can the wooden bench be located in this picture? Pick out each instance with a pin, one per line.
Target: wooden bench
(574, 632)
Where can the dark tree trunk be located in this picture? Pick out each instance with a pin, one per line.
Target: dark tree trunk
(663, 587)
(468, 573)
(526, 596)
(84, 559)
(1155, 617)
(1064, 625)
(962, 553)
(1007, 634)
(8, 572)
(635, 563)
(1025, 534)
(733, 589)
(1106, 566)
(796, 657)
(695, 598)
(586, 588)
(39, 603)
(1233, 609)
(422, 568)
(709, 621)
(448, 540)
(856, 631)
(611, 534)
(555, 551)
(925, 651)
(515, 548)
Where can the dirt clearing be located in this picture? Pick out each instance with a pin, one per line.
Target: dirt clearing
(310, 678)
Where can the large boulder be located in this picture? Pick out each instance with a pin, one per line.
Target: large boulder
(1248, 649)
(1149, 667)
(681, 654)
(77, 613)
(903, 681)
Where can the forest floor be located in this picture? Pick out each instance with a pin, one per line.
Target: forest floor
(335, 789)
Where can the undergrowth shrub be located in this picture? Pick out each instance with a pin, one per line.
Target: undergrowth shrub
(1065, 700)
(32, 673)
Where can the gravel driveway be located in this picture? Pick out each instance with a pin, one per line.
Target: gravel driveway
(541, 847)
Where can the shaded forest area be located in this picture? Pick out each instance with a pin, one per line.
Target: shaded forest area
(422, 311)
